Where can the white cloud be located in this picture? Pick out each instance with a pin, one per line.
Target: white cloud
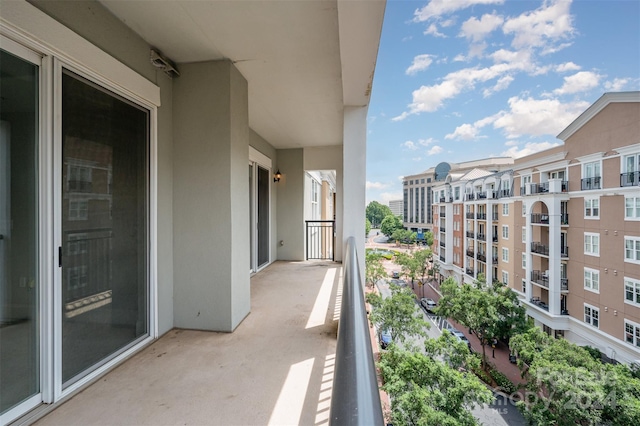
(420, 63)
(542, 27)
(376, 185)
(410, 145)
(460, 58)
(427, 142)
(502, 84)
(536, 117)
(435, 150)
(385, 197)
(436, 8)
(568, 66)
(477, 29)
(401, 116)
(579, 82)
(617, 85)
(433, 30)
(465, 132)
(528, 149)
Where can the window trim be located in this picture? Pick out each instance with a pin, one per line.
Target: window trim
(505, 227)
(505, 207)
(592, 310)
(593, 272)
(505, 250)
(635, 249)
(636, 291)
(584, 211)
(591, 234)
(636, 208)
(636, 337)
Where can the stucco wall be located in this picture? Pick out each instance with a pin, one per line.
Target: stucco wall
(290, 208)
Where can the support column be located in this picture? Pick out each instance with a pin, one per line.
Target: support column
(553, 205)
(211, 197)
(354, 178)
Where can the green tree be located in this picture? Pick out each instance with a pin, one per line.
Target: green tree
(367, 227)
(404, 236)
(413, 265)
(376, 212)
(374, 269)
(570, 386)
(425, 391)
(487, 311)
(398, 314)
(428, 238)
(390, 224)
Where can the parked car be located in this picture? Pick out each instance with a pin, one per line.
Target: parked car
(428, 304)
(384, 337)
(461, 337)
(395, 274)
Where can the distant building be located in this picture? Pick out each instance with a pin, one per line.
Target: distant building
(396, 207)
(417, 189)
(567, 240)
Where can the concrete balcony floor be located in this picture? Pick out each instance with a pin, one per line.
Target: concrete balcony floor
(276, 368)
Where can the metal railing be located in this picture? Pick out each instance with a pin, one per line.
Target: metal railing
(481, 236)
(470, 234)
(539, 248)
(470, 253)
(320, 239)
(494, 216)
(481, 257)
(442, 244)
(355, 398)
(481, 216)
(469, 272)
(540, 218)
(564, 219)
(590, 183)
(630, 179)
(470, 215)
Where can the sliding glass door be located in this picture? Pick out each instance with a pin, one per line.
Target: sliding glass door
(19, 287)
(104, 194)
(259, 187)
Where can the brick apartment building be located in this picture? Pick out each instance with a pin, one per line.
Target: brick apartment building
(561, 227)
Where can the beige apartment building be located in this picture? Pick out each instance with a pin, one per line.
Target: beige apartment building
(562, 228)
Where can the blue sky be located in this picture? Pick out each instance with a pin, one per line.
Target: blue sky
(458, 80)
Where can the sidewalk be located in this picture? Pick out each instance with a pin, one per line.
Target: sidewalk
(499, 357)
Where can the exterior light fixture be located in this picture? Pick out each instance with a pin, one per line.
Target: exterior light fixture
(277, 176)
(163, 63)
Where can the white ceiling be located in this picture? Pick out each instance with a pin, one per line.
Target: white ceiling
(304, 59)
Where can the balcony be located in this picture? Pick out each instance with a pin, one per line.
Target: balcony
(494, 238)
(494, 260)
(505, 193)
(277, 367)
(470, 197)
(469, 271)
(540, 278)
(482, 257)
(470, 234)
(448, 199)
(539, 303)
(443, 229)
(470, 253)
(442, 244)
(540, 248)
(630, 179)
(494, 217)
(443, 214)
(481, 195)
(481, 216)
(442, 258)
(541, 218)
(481, 236)
(564, 219)
(590, 183)
(470, 215)
(564, 251)
(564, 284)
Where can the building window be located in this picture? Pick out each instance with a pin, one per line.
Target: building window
(592, 208)
(632, 249)
(315, 199)
(592, 315)
(592, 280)
(524, 234)
(505, 254)
(505, 277)
(524, 209)
(632, 333)
(591, 176)
(456, 192)
(79, 178)
(78, 209)
(630, 170)
(505, 209)
(505, 232)
(632, 291)
(591, 244)
(524, 260)
(422, 180)
(632, 208)
(524, 286)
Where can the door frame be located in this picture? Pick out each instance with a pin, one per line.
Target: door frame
(256, 158)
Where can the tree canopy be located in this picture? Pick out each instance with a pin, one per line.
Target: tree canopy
(390, 224)
(367, 227)
(397, 314)
(374, 269)
(414, 265)
(487, 311)
(376, 212)
(568, 386)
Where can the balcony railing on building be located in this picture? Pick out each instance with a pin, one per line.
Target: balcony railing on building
(494, 238)
(481, 216)
(504, 193)
(539, 248)
(482, 257)
(542, 218)
(447, 199)
(443, 214)
(540, 278)
(630, 179)
(470, 234)
(481, 236)
(470, 253)
(564, 219)
(470, 215)
(494, 260)
(470, 197)
(320, 239)
(443, 229)
(442, 244)
(482, 195)
(494, 216)
(442, 258)
(469, 271)
(590, 183)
